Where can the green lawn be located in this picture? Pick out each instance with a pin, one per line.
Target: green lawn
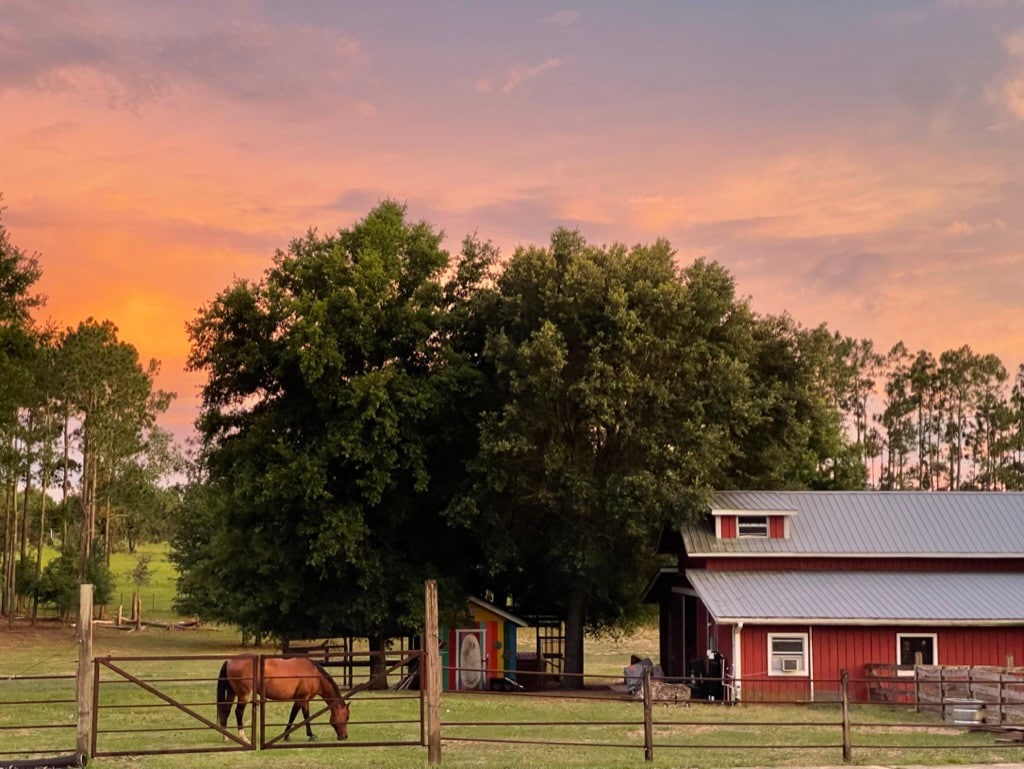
(736, 732)
(52, 649)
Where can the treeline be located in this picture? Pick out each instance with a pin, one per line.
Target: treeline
(377, 411)
(955, 421)
(81, 455)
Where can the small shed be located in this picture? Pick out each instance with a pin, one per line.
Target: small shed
(482, 652)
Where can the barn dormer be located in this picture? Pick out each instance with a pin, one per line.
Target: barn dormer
(752, 524)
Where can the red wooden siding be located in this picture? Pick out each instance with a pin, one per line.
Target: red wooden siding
(834, 649)
(495, 662)
(728, 527)
(776, 527)
(755, 682)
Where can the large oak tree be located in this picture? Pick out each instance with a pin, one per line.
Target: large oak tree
(330, 422)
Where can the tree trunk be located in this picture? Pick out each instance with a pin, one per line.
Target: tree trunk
(64, 485)
(10, 549)
(572, 671)
(39, 546)
(377, 662)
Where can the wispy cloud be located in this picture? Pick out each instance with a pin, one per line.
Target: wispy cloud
(518, 76)
(563, 18)
(244, 60)
(1008, 89)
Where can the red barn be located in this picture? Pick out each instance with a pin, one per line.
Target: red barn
(784, 590)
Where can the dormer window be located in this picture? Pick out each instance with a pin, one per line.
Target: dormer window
(752, 526)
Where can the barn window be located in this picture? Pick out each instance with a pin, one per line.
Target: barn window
(752, 526)
(909, 645)
(787, 654)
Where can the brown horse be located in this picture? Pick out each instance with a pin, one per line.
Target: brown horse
(298, 679)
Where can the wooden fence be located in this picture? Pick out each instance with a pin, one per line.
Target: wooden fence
(938, 688)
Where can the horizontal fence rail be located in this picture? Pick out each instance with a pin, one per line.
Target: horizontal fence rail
(37, 716)
(834, 717)
(176, 709)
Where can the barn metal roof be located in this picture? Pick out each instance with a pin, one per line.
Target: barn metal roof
(864, 523)
(865, 597)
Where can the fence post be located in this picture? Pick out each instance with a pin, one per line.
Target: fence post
(999, 697)
(918, 660)
(844, 685)
(942, 697)
(433, 677)
(84, 682)
(259, 700)
(648, 717)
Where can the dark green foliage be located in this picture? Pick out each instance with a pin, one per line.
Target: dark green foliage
(328, 420)
(58, 586)
(624, 390)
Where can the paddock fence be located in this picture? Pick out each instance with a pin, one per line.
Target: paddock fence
(37, 716)
(136, 701)
(827, 719)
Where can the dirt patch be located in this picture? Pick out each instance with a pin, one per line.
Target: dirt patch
(945, 730)
(45, 632)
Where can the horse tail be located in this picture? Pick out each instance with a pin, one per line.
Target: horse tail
(225, 695)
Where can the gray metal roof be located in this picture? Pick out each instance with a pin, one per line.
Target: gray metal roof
(862, 596)
(874, 523)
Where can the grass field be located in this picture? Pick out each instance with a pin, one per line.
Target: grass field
(50, 649)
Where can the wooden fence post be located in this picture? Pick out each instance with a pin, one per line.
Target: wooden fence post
(918, 658)
(942, 697)
(999, 697)
(648, 716)
(84, 681)
(844, 683)
(433, 677)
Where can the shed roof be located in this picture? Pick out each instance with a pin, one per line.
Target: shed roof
(866, 597)
(865, 523)
(502, 613)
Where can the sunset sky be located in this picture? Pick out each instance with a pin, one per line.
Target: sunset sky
(855, 163)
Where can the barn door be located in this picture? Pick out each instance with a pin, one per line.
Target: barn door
(471, 669)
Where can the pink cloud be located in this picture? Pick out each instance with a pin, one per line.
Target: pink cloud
(518, 76)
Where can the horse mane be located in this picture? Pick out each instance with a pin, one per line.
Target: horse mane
(331, 681)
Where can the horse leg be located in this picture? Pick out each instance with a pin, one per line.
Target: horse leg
(305, 716)
(239, 713)
(291, 719)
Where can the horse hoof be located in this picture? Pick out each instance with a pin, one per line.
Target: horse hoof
(312, 738)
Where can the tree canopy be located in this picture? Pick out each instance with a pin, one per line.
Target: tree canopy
(377, 412)
(327, 434)
(626, 389)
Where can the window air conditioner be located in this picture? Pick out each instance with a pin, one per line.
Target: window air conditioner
(790, 664)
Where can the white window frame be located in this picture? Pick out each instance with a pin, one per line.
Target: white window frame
(748, 535)
(805, 656)
(901, 670)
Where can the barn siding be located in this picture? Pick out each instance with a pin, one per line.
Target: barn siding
(776, 527)
(755, 683)
(728, 527)
(835, 648)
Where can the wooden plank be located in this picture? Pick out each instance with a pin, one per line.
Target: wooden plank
(433, 677)
(85, 680)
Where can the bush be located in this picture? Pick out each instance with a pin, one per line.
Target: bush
(58, 586)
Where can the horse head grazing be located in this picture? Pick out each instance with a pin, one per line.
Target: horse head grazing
(339, 717)
(332, 696)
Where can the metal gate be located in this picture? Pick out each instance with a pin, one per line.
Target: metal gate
(166, 705)
(141, 709)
